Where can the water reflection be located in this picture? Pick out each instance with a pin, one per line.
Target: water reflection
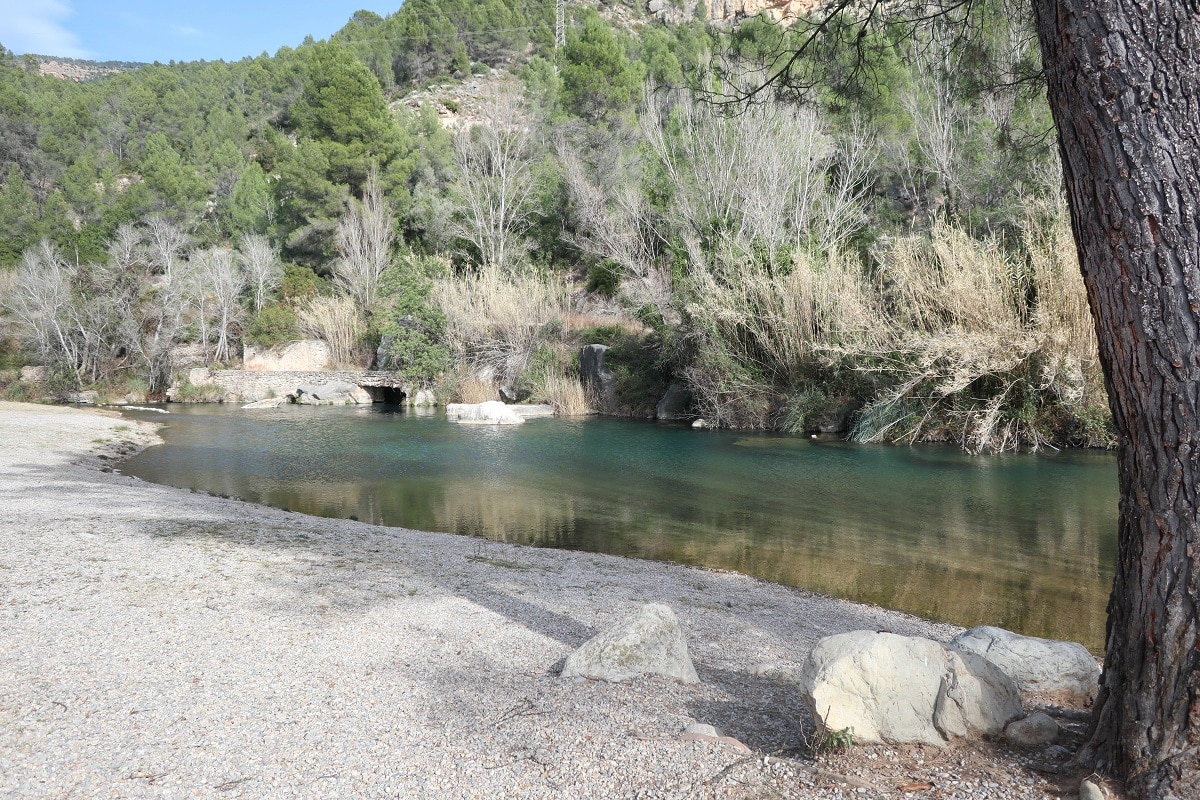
(1025, 542)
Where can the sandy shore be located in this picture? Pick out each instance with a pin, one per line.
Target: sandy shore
(160, 643)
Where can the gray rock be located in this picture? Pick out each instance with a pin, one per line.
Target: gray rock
(675, 403)
(1064, 670)
(700, 729)
(599, 379)
(87, 397)
(1090, 791)
(34, 374)
(898, 689)
(338, 393)
(700, 424)
(492, 412)
(1032, 731)
(423, 398)
(647, 643)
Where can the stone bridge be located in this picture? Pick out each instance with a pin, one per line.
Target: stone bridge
(247, 386)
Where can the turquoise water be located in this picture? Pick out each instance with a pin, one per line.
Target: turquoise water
(1024, 541)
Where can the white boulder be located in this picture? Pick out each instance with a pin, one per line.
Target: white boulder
(493, 412)
(1064, 670)
(898, 689)
(647, 643)
(337, 393)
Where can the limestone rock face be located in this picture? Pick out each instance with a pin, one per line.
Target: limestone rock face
(34, 374)
(647, 643)
(730, 12)
(900, 689)
(310, 355)
(1065, 670)
(601, 380)
(492, 412)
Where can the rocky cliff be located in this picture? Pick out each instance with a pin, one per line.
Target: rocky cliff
(731, 12)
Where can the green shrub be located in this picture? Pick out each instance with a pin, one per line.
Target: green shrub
(273, 325)
(605, 277)
(300, 283)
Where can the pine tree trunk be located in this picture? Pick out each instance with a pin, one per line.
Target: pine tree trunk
(1124, 85)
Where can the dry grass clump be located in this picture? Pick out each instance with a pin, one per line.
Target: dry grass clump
(496, 319)
(756, 331)
(986, 347)
(474, 389)
(566, 393)
(339, 323)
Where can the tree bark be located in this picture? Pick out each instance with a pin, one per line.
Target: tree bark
(1124, 86)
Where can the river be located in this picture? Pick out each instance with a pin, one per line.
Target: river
(1024, 541)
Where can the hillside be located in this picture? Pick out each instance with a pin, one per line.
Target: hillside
(887, 258)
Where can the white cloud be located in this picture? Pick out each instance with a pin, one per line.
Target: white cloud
(38, 26)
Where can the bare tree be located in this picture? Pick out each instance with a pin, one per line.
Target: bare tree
(261, 265)
(220, 281)
(496, 181)
(365, 236)
(158, 326)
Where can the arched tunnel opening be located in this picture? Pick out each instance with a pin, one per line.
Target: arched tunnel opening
(387, 395)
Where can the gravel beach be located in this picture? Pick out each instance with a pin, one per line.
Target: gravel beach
(160, 643)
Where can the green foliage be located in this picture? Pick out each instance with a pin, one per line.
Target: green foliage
(410, 329)
(272, 325)
(598, 79)
(604, 276)
(300, 283)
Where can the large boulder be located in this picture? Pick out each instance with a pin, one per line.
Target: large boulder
(492, 412)
(599, 379)
(337, 393)
(649, 642)
(1064, 670)
(898, 689)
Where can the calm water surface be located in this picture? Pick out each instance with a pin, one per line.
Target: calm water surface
(1026, 542)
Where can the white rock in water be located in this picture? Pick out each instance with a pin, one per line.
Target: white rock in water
(897, 689)
(1063, 669)
(647, 643)
(493, 412)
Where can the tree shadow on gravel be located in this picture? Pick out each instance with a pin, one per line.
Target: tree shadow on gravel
(766, 714)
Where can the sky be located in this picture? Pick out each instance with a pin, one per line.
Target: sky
(165, 30)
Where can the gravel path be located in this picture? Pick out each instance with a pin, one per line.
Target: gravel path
(160, 643)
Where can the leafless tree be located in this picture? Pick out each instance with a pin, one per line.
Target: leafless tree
(365, 236)
(261, 265)
(496, 181)
(220, 282)
(768, 177)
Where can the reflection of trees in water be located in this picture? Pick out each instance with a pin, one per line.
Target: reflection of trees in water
(1003, 544)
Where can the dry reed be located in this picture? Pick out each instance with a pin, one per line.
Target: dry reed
(338, 322)
(496, 319)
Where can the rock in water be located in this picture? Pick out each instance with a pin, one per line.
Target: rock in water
(647, 643)
(899, 689)
(1065, 670)
(493, 412)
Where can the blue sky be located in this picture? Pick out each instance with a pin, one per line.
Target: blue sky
(140, 30)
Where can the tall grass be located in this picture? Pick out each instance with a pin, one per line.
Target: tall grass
(758, 331)
(339, 323)
(496, 319)
(566, 393)
(948, 337)
(989, 347)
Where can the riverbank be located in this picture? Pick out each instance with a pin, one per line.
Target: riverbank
(161, 643)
